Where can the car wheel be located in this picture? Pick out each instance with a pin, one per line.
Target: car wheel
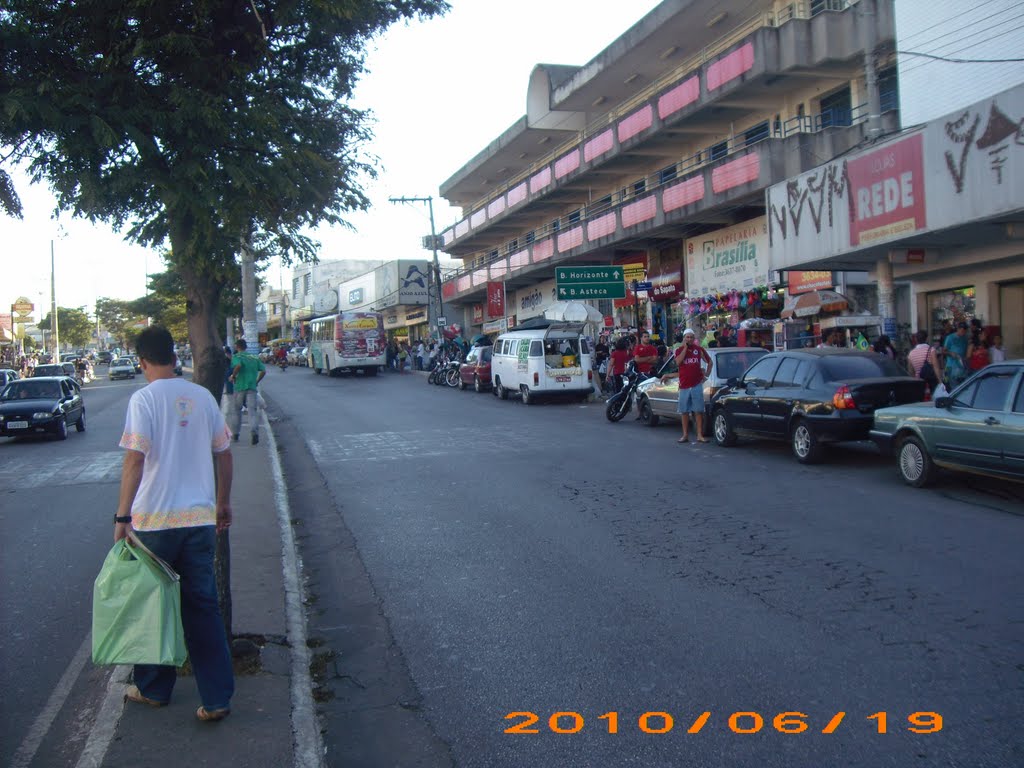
(915, 465)
(805, 445)
(527, 395)
(722, 428)
(477, 386)
(62, 429)
(647, 415)
(80, 424)
(462, 384)
(500, 392)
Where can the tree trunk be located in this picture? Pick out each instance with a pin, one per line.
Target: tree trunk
(208, 367)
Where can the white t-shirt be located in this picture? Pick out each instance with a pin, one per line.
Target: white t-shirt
(178, 426)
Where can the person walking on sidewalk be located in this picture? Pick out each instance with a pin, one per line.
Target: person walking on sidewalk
(175, 493)
(246, 374)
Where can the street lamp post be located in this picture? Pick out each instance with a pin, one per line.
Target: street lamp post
(54, 332)
(433, 245)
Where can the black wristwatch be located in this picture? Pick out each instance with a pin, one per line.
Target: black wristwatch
(125, 519)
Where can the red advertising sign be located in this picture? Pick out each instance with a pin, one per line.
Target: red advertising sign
(887, 192)
(495, 300)
(667, 282)
(803, 282)
(478, 314)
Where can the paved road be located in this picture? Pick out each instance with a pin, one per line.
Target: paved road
(541, 560)
(58, 499)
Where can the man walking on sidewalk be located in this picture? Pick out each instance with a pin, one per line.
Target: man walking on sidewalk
(175, 493)
(246, 374)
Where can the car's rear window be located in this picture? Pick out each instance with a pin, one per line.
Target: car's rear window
(839, 368)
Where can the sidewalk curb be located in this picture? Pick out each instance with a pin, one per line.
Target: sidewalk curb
(308, 744)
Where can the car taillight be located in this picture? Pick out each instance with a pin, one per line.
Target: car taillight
(843, 399)
(536, 379)
(590, 376)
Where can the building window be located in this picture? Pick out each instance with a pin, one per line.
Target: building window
(639, 186)
(556, 225)
(719, 150)
(574, 217)
(666, 175)
(530, 237)
(602, 204)
(305, 281)
(759, 132)
(295, 287)
(888, 89)
(835, 109)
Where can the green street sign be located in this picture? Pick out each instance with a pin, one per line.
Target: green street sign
(591, 291)
(602, 273)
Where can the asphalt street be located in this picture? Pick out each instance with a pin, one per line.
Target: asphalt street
(598, 589)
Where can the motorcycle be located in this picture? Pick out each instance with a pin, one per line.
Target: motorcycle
(621, 402)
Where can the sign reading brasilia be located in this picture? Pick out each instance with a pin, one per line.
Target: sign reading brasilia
(734, 258)
(966, 166)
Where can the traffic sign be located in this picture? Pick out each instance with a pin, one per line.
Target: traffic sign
(643, 285)
(575, 291)
(602, 273)
(442, 322)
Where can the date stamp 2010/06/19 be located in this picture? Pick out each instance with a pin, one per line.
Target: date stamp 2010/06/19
(736, 722)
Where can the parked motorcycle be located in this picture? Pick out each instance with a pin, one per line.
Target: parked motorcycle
(621, 402)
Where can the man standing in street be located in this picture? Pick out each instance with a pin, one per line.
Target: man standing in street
(645, 354)
(694, 365)
(246, 374)
(175, 494)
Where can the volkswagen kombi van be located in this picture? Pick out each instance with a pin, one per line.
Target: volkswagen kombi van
(546, 359)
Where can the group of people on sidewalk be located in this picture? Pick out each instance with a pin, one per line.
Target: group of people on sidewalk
(956, 353)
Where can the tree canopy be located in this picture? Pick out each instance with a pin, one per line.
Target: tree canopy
(198, 123)
(73, 326)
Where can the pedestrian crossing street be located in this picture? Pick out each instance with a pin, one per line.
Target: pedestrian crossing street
(29, 472)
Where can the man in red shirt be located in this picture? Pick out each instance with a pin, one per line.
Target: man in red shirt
(694, 365)
(645, 354)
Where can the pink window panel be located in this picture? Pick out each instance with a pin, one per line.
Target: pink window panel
(478, 218)
(639, 121)
(598, 145)
(495, 207)
(641, 210)
(568, 240)
(520, 259)
(480, 276)
(567, 164)
(498, 268)
(731, 66)
(449, 235)
(683, 94)
(465, 283)
(462, 228)
(448, 289)
(601, 227)
(742, 171)
(517, 195)
(686, 193)
(540, 179)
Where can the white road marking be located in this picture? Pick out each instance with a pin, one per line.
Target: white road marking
(58, 696)
(107, 718)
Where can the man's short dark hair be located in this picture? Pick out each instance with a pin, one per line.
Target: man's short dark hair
(922, 337)
(155, 345)
(240, 344)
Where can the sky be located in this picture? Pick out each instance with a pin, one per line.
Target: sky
(440, 91)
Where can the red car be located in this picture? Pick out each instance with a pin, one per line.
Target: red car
(475, 370)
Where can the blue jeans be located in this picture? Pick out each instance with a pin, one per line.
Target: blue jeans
(190, 552)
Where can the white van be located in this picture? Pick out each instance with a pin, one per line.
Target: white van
(549, 358)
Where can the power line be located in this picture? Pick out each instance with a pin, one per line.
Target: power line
(957, 61)
(961, 29)
(910, 69)
(948, 19)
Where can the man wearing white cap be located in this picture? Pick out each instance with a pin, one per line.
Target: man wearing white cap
(694, 365)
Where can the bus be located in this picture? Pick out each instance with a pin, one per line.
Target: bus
(349, 341)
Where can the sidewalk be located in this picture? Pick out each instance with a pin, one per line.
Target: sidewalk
(259, 731)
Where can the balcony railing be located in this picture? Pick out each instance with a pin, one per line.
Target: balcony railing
(804, 9)
(833, 118)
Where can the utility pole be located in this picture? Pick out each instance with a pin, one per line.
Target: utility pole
(250, 331)
(54, 332)
(868, 32)
(436, 281)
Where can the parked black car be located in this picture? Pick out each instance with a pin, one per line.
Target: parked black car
(41, 404)
(811, 397)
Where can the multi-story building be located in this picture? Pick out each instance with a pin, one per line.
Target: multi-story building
(656, 155)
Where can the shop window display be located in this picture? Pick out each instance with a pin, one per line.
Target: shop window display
(954, 306)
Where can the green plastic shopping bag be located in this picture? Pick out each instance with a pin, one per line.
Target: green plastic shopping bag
(136, 608)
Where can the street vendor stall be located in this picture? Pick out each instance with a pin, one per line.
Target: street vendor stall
(855, 328)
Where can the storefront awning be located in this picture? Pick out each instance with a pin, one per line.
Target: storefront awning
(813, 303)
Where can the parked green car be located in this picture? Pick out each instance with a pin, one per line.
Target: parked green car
(978, 428)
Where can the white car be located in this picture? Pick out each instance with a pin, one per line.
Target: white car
(297, 356)
(121, 368)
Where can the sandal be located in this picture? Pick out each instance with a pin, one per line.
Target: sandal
(212, 715)
(132, 693)
(683, 440)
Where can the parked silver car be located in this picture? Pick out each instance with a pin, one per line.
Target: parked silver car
(658, 399)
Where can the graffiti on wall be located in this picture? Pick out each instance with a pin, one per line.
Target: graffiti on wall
(999, 133)
(815, 195)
